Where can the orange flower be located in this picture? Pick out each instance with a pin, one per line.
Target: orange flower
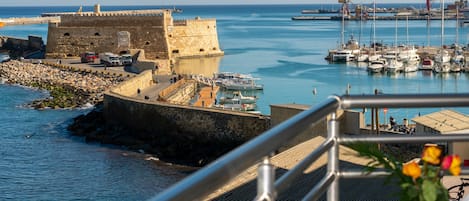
(431, 154)
(411, 169)
(455, 168)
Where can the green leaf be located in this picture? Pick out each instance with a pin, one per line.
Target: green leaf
(429, 190)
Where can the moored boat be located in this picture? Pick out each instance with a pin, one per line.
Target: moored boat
(427, 64)
(238, 97)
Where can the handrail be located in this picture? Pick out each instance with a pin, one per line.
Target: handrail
(221, 171)
(235, 162)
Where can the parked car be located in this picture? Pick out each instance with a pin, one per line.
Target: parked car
(88, 57)
(4, 58)
(126, 59)
(109, 59)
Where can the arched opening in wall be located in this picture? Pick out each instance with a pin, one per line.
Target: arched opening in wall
(214, 48)
(73, 44)
(147, 43)
(208, 27)
(66, 34)
(97, 34)
(91, 43)
(157, 57)
(170, 35)
(175, 51)
(123, 52)
(201, 50)
(69, 55)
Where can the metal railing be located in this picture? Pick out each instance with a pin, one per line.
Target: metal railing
(260, 149)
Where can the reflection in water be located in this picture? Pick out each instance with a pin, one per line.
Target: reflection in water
(198, 66)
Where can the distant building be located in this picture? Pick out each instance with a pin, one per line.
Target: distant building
(154, 31)
(446, 122)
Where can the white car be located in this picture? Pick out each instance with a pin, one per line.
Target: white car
(4, 58)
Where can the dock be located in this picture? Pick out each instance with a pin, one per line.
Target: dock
(28, 20)
(399, 17)
(207, 96)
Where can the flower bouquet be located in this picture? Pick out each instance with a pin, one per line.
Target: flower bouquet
(419, 179)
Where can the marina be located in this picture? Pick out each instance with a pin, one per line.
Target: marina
(287, 56)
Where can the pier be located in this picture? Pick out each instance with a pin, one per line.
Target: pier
(28, 20)
(398, 17)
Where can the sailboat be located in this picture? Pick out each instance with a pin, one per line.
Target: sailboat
(457, 61)
(442, 58)
(394, 63)
(346, 52)
(376, 63)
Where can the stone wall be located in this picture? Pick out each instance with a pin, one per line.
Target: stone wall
(157, 34)
(197, 37)
(77, 34)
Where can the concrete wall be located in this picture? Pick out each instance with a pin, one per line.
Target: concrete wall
(347, 122)
(129, 87)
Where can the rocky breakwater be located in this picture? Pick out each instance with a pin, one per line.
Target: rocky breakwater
(68, 89)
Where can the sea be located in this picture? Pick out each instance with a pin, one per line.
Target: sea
(41, 160)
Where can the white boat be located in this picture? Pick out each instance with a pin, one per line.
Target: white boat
(343, 55)
(394, 66)
(457, 63)
(408, 54)
(427, 64)
(240, 84)
(442, 56)
(237, 97)
(376, 66)
(411, 66)
(237, 107)
(362, 58)
(442, 67)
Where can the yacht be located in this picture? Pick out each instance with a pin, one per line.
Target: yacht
(427, 64)
(343, 55)
(377, 66)
(238, 97)
(394, 66)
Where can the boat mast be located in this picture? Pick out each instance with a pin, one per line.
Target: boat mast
(442, 21)
(395, 33)
(374, 25)
(343, 25)
(457, 24)
(407, 29)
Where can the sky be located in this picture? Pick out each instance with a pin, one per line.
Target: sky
(183, 2)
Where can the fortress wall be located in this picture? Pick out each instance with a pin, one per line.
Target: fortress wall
(194, 38)
(110, 21)
(77, 34)
(165, 121)
(129, 87)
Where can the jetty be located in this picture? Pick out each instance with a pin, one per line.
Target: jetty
(28, 20)
(398, 17)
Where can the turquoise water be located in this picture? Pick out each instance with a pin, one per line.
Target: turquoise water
(41, 161)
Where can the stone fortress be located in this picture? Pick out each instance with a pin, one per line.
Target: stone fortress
(151, 35)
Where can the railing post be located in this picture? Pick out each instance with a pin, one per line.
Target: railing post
(265, 181)
(333, 157)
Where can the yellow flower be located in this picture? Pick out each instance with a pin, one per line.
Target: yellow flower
(411, 169)
(431, 154)
(455, 168)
